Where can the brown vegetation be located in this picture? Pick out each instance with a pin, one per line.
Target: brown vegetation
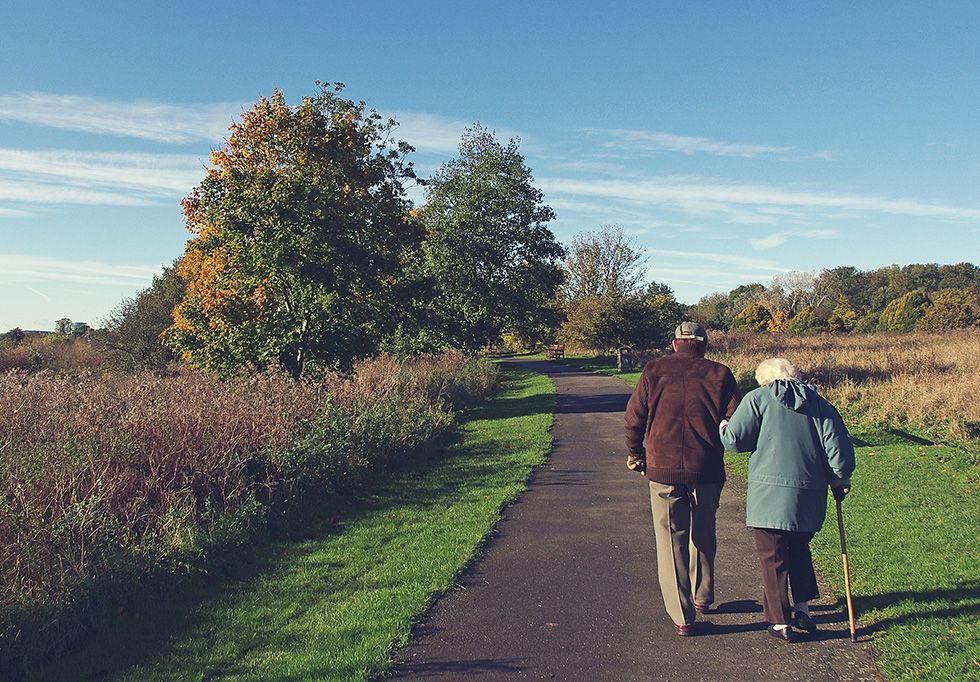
(109, 482)
(917, 380)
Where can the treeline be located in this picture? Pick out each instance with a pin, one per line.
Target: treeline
(918, 297)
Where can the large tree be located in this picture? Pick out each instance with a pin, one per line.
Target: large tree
(301, 229)
(604, 300)
(489, 257)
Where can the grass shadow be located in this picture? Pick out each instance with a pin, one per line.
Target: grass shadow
(964, 595)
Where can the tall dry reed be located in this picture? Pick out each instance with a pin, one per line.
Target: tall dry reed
(927, 381)
(107, 482)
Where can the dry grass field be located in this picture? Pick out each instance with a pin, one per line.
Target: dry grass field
(917, 381)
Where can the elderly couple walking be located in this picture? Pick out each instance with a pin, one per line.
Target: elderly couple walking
(686, 410)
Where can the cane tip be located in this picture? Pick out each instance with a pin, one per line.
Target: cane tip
(854, 638)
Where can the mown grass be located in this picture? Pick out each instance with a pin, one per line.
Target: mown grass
(336, 605)
(912, 524)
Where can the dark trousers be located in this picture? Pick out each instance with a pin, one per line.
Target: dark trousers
(784, 556)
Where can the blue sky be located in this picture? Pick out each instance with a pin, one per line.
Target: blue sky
(733, 141)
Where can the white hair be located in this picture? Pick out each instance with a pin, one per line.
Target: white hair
(775, 368)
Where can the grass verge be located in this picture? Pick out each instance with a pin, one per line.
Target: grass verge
(335, 605)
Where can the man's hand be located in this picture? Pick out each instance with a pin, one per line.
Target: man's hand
(637, 464)
(840, 487)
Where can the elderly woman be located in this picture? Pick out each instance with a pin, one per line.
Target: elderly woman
(799, 445)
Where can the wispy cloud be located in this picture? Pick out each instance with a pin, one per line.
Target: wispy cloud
(166, 174)
(24, 269)
(731, 197)
(435, 134)
(770, 242)
(780, 238)
(654, 141)
(146, 120)
(29, 192)
(701, 257)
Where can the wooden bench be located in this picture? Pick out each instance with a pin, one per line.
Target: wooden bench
(554, 351)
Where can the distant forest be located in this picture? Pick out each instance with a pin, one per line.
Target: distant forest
(919, 297)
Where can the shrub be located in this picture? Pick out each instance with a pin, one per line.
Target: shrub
(949, 309)
(753, 317)
(901, 314)
(804, 322)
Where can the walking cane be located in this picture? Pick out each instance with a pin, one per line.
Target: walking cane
(847, 577)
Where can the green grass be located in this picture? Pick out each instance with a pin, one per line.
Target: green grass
(911, 525)
(336, 605)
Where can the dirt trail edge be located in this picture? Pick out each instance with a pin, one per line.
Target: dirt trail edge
(566, 587)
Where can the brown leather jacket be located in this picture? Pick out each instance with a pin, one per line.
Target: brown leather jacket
(672, 418)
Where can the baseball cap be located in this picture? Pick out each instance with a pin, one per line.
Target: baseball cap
(690, 330)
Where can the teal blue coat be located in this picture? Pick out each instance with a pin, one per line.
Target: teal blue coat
(798, 443)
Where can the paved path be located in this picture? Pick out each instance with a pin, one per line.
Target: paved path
(567, 587)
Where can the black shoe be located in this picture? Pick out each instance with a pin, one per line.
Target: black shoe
(802, 621)
(685, 630)
(702, 608)
(785, 634)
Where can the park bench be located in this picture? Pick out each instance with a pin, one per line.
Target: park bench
(555, 350)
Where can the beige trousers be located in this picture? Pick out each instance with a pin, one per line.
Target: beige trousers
(684, 526)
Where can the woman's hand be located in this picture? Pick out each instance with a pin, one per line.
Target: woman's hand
(840, 487)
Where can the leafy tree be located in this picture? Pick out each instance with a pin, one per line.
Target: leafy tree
(868, 323)
(959, 276)
(641, 320)
(602, 263)
(712, 311)
(16, 335)
(134, 331)
(844, 317)
(63, 327)
(754, 317)
(804, 322)
(901, 314)
(491, 260)
(301, 231)
(950, 309)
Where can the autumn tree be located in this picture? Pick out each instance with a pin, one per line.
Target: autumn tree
(489, 257)
(301, 228)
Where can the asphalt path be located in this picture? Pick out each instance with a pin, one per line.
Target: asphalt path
(566, 587)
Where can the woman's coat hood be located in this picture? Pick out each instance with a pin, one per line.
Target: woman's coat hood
(794, 395)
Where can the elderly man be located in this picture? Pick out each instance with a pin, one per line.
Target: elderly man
(672, 435)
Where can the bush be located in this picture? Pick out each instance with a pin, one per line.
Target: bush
(111, 485)
(804, 322)
(949, 309)
(902, 313)
(753, 318)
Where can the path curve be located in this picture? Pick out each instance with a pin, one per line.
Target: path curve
(566, 587)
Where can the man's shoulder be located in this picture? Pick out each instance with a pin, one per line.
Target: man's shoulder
(718, 366)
